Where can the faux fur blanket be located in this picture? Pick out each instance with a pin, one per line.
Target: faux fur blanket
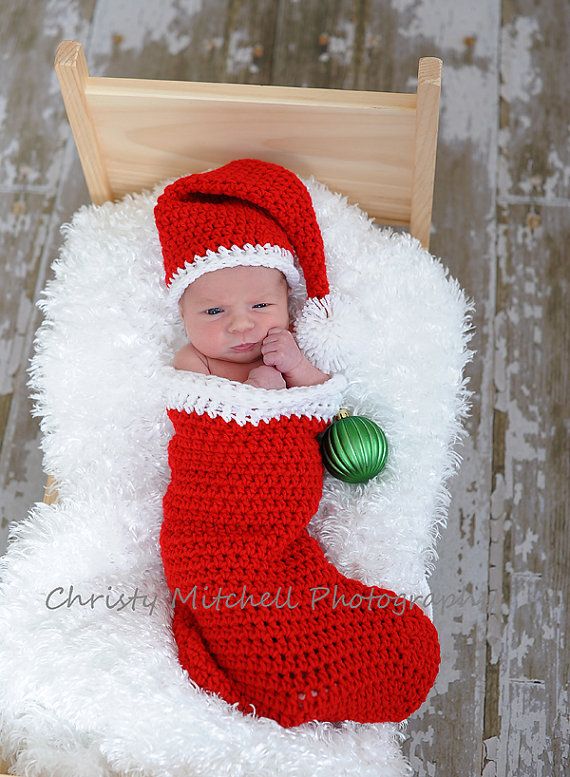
(90, 682)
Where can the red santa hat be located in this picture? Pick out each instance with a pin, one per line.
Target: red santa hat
(247, 212)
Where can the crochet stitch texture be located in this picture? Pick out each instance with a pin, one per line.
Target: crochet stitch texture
(249, 202)
(236, 512)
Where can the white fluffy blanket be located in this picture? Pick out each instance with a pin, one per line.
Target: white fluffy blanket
(92, 686)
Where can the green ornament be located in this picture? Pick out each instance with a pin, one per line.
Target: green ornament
(354, 448)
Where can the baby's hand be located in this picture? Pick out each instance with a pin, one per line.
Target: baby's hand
(266, 377)
(280, 350)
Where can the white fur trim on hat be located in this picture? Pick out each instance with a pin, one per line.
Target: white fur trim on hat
(251, 255)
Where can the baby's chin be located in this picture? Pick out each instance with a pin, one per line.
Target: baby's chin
(247, 357)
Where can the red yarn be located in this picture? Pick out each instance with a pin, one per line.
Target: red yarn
(247, 201)
(236, 514)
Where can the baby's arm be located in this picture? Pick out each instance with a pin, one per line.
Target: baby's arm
(266, 377)
(305, 374)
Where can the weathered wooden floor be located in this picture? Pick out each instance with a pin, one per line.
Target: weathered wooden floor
(501, 223)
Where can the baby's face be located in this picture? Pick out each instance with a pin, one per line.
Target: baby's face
(225, 308)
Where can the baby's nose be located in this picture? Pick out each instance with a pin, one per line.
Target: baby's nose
(241, 323)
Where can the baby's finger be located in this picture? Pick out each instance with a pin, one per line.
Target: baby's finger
(271, 344)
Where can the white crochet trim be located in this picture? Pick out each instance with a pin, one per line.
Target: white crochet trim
(232, 400)
(251, 255)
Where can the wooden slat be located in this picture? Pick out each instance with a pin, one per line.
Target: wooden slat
(33, 123)
(529, 627)
(527, 714)
(427, 120)
(22, 233)
(71, 69)
(320, 44)
(174, 128)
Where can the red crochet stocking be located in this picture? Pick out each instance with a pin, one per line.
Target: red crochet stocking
(235, 518)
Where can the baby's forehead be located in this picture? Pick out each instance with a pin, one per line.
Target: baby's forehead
(256, 279)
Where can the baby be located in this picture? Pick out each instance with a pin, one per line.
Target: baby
(237, 322)
(246, 469)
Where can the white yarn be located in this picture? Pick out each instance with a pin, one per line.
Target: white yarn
(243, 403)
(249, 255)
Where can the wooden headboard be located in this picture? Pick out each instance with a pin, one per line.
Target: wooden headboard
(376, 148)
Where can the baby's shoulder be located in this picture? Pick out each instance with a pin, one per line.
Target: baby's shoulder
(188, 358)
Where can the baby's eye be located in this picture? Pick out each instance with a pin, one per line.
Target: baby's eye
(214, 311)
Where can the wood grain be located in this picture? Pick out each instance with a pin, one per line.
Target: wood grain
(39, 188)
(131, 133)
(528, 628)
(527, 724)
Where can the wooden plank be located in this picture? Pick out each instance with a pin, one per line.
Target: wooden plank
(33, 130)
(22, 234)
(427, 121)
(22, 478)
(527, 718)
(182, 128)
(221, 40)
(319, 44)
(72, 73)
(529, 626)
(535, 94)
(532, 738)
(32, 144)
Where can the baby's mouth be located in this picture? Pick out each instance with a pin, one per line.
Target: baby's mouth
(244, 347)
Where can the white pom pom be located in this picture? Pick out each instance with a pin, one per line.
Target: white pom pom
(319, 333)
